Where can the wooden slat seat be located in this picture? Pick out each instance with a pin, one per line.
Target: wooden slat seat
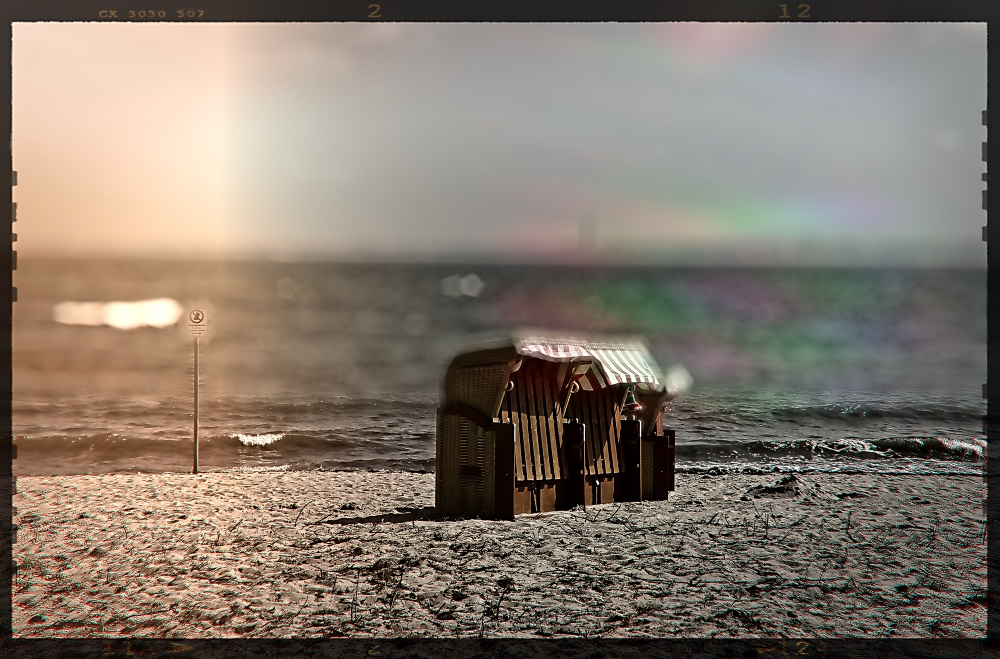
(533, 405)
(600, 412)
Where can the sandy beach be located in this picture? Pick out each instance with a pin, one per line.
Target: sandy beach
(328, 554)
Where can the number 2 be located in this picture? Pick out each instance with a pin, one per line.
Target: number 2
(375, 11)
(804, 11)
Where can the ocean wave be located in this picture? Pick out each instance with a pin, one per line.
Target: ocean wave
(253, 405)
(942, 447)
(922, 468)
(97, 446)
(866, 411)
(970, 449)
(258, 440)
(403, 441)
(170, 411)
(258, 469)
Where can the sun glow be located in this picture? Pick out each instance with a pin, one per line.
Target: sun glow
(161, 312)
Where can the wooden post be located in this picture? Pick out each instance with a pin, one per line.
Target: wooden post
(671, 457)
(661, 467)
(197, 373)
(632, 444)
(503, 476)
(574, 439)
(197, 324)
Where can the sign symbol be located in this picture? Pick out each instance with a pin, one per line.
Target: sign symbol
(197, 316)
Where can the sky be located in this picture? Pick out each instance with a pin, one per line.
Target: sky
(686, 143)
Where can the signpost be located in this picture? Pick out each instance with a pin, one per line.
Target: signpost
(197, 324)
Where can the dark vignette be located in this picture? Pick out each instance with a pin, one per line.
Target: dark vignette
(508, 11)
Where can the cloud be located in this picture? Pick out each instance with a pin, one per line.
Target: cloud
(347, 139)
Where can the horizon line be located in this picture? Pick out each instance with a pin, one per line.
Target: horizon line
(534, 260)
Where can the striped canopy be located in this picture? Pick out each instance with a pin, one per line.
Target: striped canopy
(614, 362)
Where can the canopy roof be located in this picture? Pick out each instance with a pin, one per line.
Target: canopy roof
(617, 361)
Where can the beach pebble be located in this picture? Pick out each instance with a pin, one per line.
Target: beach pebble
(166, 555)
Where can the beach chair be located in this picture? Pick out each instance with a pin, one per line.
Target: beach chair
(541, 423)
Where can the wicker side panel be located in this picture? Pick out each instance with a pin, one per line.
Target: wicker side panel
(488, 479)
(471, 459)
(465, 478)
(446, 470)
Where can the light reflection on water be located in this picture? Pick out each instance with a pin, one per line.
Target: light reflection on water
(346, 364)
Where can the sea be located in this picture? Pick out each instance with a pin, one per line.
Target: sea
(338, 366)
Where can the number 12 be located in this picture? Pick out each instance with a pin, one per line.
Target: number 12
(803, 11)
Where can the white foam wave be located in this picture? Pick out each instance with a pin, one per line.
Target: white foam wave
(256, 470)
(888, 447)
(258, 440)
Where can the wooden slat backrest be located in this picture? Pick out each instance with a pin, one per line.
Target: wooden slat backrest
(515, 405)
(600, 411)
(533, 405)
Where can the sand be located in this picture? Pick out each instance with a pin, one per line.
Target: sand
(327, 554)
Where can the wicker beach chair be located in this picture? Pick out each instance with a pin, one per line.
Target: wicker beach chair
(535, 423)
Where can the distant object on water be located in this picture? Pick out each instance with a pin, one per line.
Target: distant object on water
(470, 285)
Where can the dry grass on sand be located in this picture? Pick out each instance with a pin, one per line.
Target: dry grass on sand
(298, 554)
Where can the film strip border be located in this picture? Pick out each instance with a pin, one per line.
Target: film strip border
(13, 237)
(986, 227)
(8, 484)
(990, 427)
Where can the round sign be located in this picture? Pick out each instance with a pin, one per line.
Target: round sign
(197, 316)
